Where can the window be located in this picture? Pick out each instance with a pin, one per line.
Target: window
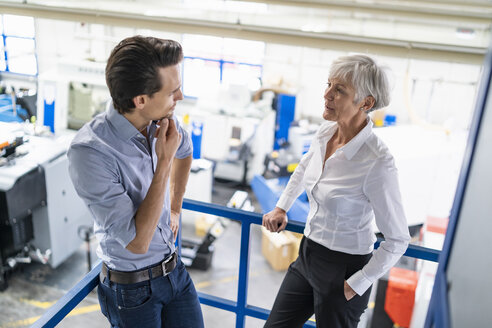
(212, 62)
(18, 48)
(200, 76)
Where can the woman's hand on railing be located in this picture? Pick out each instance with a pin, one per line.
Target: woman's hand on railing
(276, 220)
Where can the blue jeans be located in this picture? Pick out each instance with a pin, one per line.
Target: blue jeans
(169, 301)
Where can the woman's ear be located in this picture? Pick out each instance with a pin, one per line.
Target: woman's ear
(368, 103)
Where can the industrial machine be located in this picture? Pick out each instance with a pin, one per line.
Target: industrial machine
(284, 106)
(13, 109)
(237, 145)
(73, 97)
(236, 133)
(198, 254)
(268, 191)
(40, 212)
(17, 203)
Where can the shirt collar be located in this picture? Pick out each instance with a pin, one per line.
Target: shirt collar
(353, 146)
(122, 127)
(350, 149)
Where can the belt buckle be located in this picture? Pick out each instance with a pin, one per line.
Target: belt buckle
(166, 261)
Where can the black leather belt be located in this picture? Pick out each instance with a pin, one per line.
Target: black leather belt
(121, 277)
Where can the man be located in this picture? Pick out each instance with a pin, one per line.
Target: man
(130, 165)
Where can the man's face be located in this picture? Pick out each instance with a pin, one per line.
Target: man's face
(162, 103)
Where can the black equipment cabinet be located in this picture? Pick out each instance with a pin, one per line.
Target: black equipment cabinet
(16, 207)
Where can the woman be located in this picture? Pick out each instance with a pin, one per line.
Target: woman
(350, 179)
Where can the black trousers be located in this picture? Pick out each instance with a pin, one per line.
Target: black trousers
(314, 284)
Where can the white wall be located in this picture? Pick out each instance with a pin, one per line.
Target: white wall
(440, 92)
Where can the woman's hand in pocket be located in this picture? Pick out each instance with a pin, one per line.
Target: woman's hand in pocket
(348, 291)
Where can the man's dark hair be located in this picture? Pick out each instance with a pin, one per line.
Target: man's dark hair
(133, 68)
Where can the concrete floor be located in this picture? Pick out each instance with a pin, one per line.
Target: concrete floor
(35, 287)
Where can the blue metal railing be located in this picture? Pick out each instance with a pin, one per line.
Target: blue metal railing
(58, 311)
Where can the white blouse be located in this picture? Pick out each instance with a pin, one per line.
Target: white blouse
(358, 183)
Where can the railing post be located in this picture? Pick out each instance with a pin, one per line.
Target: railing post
(242, 288)
(58, 311)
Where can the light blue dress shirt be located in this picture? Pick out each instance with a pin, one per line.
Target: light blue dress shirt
(111, 166)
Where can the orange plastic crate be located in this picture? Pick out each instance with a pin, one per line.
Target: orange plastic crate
(400, 295)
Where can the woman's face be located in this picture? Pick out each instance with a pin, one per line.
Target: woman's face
(339, 102)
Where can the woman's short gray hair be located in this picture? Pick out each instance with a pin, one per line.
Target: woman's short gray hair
(366, 77)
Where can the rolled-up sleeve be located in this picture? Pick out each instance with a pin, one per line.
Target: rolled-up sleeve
(382, 189)
(94, 176)
(185, 148)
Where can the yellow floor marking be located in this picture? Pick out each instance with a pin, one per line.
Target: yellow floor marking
(205, 284)
(39, 304)
(21, 323)
(229, 279)
(95, 307)
(30, 321)
(84, 310)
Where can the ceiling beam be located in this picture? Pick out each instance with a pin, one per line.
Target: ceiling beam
(421, 10)
(340, 42)
(485, 4)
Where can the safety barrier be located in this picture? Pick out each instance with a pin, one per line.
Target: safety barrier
(240, 307)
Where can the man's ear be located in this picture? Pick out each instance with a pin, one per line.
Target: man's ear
(139, 101)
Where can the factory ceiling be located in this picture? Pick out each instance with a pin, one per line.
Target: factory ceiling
(444, 29)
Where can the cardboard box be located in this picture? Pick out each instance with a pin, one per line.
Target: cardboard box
(296, 240)
(203, 222)
(280, 249)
